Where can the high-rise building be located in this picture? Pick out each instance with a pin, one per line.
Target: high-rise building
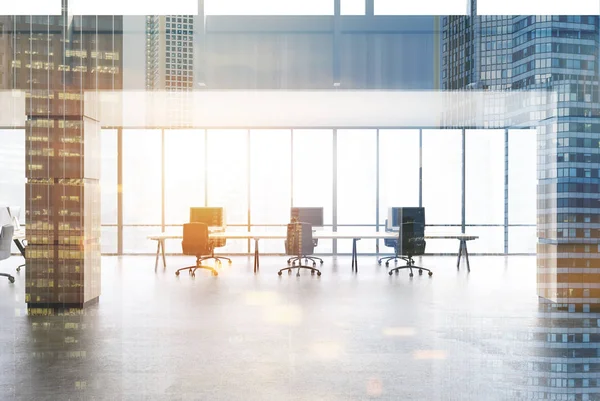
(60, 61)
(5, 52)
(170, 52)
(558, 54)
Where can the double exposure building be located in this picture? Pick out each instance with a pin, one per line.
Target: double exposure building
(557, 54)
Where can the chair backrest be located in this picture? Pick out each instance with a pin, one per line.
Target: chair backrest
(6, 236)
(299, 239)
(195, 239)
(412, 232)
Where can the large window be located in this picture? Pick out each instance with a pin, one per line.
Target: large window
(398, 170)
(109, 190)
(184, 174)
(142, 177)
(442, 176)
(522, 181)
(356, 176)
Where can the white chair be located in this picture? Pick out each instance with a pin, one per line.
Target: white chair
(6, 236)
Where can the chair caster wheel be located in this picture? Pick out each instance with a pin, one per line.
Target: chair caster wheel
(19, 268)
(397, 272)
(193, 275)
(390, 273)
(379, 263)
(387, 264)
(312, 272)
(230, 262)
(321, 263)
(177, 273)
(293, 263)
(410, 275)
(420, 272)
(314, 264)
(430, 274)
(11, 279)
(215, 274)
(289, 272)
(279, 273)
(318, 273)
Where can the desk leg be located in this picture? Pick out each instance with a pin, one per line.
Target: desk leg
(354, 255)
(466, 256)
(22, 250)
(460, 250)
(162, 245)
(256, 259)
(157, 255)
(20, 246)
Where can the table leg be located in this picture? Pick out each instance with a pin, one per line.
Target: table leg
(354, 258)
(256, 259)
(460, 249)
(466, 256)
(162, 245)
(20, 246)
(157, 255)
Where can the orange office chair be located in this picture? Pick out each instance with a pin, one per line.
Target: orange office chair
(196, 242)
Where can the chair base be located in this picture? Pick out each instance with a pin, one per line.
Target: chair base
(19, 267)
(289, 270)
(192, 269)
(11, 279)
(298, 259)
(389, 258)
(216, 258)
(410, 264)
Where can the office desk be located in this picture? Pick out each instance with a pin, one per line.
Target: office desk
(355, 237)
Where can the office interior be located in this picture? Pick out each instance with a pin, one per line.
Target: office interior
(485, 332)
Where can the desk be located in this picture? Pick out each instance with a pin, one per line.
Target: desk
(258, 235)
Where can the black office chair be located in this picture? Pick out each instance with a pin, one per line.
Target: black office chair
(196, 242)
(6, 235)
(299, 242)
(411, 242)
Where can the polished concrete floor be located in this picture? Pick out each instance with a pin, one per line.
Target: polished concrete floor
(154, 336)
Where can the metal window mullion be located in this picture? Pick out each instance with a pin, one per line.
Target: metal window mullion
(463, 200)
(377, 190)
(292, 168)
(506, 191)
(162, 179)
(206, 168)
(120, 191)
(334, 190)
(420, 168)
(248, 194)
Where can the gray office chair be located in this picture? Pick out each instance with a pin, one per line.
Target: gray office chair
(6, 236)
(300, 243)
